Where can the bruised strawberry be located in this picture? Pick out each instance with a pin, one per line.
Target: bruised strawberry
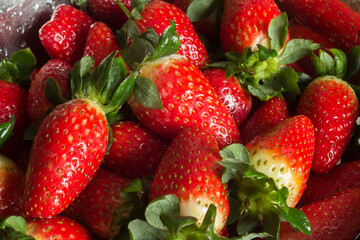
(189, 170)
(135, 152)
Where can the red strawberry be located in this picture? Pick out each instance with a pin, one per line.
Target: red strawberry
(109, 11)
(245, 24)
(335, 20)
(333, 107)
(135, 152)
(189, 170)
(12, 184)
(303, 32)
(267, 116)
(336, 217)
(13, 102)
(285, 154)
(64, 35)
(191, 45)
(338, 179)
(37, 103)
(57, 227)
(188, 100)
(236, 99)
(100, 42)
(95, 205)
(73, 138)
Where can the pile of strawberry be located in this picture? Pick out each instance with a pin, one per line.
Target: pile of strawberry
(182, 119)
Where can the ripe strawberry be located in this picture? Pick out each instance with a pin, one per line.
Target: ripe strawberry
(191, 45)
(12, 184)
(109, 11)
(333, 107)
(100, 42)
(285, 154)
(64, 35)
(336, 217)
(95, 205)
(187, 99)
(267, 116)
(304, 32)
(37, 103)
(320, 16)
(338, 179)
(57, 227)
(72, 139)
(135, 152)
(245, 24)
(189, 170)
(236, 99)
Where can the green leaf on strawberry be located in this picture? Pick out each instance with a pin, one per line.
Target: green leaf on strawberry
(200, 9)
(353, 60)
(168, 42)
(6, 130)
(52, 92)
(15, 228)
(277, 31)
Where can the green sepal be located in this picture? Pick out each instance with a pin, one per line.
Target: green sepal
(340, 62)
(141, 230)
(6, 130)
(80, 76)
(8, 71)
(52, 92)
(296, 49)
(25, 62)
(303, 81)
(200, 9)
(265, 53)
(138, 6)
(289, 82)
(249, 236)
(81, 4)
(147, 93)
(271, 225)
(353, 60)
(247, 224)
(325, 64)
(168, 43)
(128, 31)
(14, 228)
(297, 220)
(175, 223)
(277, 31)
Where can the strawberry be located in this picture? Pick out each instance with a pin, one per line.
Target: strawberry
(73, 138)
(338, 179)
(100, 42)
(285, 154)
(333, 107)
(109, 12)
(187, 100)
(236, 99)
(334, 20)
(336, 217)
(190, 171)
(267, 116)
(64, 35)
(191, 45)
(135, 152)
(304, 32)
(37, 103)
(95, 205)
(12, 184)
(245, 24)
(57, 227)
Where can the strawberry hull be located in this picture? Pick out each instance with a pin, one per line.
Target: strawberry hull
(66, 153)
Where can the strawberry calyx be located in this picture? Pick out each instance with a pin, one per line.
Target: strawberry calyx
(199, 10)
(6, 130)
(256, 201)
(18, 68)
(264, 72)
(14, 227)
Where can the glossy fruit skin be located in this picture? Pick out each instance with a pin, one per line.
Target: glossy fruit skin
(37, 103)
(100, 42)
(109, 12)
(95, 205)
(191, 45)
(57, 227)
(333, 107)
(189, 170)
(285, 154)
(267, 116)
(245, 24)
(64, 35)
(320, 15)
(135, 152)
(338, 179)
(336, 217)
(188, 100)
(12, 184)
(67, 150)
(236, 99)
(13, 102)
